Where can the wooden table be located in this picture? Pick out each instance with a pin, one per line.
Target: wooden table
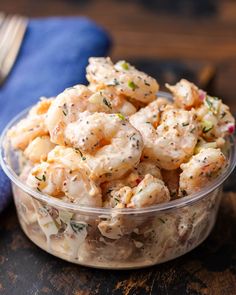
(193, 30)
(168, 39)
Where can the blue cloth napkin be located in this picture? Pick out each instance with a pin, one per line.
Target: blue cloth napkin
(53, 56)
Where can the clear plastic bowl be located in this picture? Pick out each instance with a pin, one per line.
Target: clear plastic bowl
(113, 238)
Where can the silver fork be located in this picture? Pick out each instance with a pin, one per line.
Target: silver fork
(12, 30)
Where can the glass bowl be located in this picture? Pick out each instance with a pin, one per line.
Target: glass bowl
(113, 238)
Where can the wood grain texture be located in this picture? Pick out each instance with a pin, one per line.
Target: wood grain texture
(187, 38)
(193, 30)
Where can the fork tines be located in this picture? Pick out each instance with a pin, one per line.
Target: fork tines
(12, 30)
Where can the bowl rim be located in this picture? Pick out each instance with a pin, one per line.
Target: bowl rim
(52, 201)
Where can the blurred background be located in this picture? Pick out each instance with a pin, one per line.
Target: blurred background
(169, 39)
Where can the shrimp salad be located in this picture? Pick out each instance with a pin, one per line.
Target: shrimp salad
(116, 144)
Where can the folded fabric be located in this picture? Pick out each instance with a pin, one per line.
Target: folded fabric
(53, 56)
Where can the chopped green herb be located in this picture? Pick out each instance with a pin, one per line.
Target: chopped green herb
(107, 103)
(213, 104)
(38, 178)
(207, 126)
(120, 116)
(117, 200)
(140, 190)
(125, 65)
(208, 102)
(41, 179)
(222, 115)
(114, 83)
(76, 226)
(163, 221)
(77, 150)
(132, 137)
(64, 109)
(132, 85)
(206, 129)
(185, 124)
(146, 83)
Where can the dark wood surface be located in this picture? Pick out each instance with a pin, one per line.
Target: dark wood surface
(168, 39)
(183, 30)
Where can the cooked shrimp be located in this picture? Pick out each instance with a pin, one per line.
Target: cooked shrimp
(56, 180)
(39, 148)
(77, 186)
(118, 193)
(200, 170)
(67, 157)
(118, 196)
(110, 144)
(186, 95)
(79, 189)
(90, 146)
(170, 143)
(203, 144)
(148, 167)
(106, 100)
(69, 105)
(65, 109)
(30, 127)
(149, 117)
(47, 178)
(149, 192)
(123, 186)
(125, 78)
(216, 119)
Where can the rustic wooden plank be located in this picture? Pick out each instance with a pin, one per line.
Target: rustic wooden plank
(140, 32)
